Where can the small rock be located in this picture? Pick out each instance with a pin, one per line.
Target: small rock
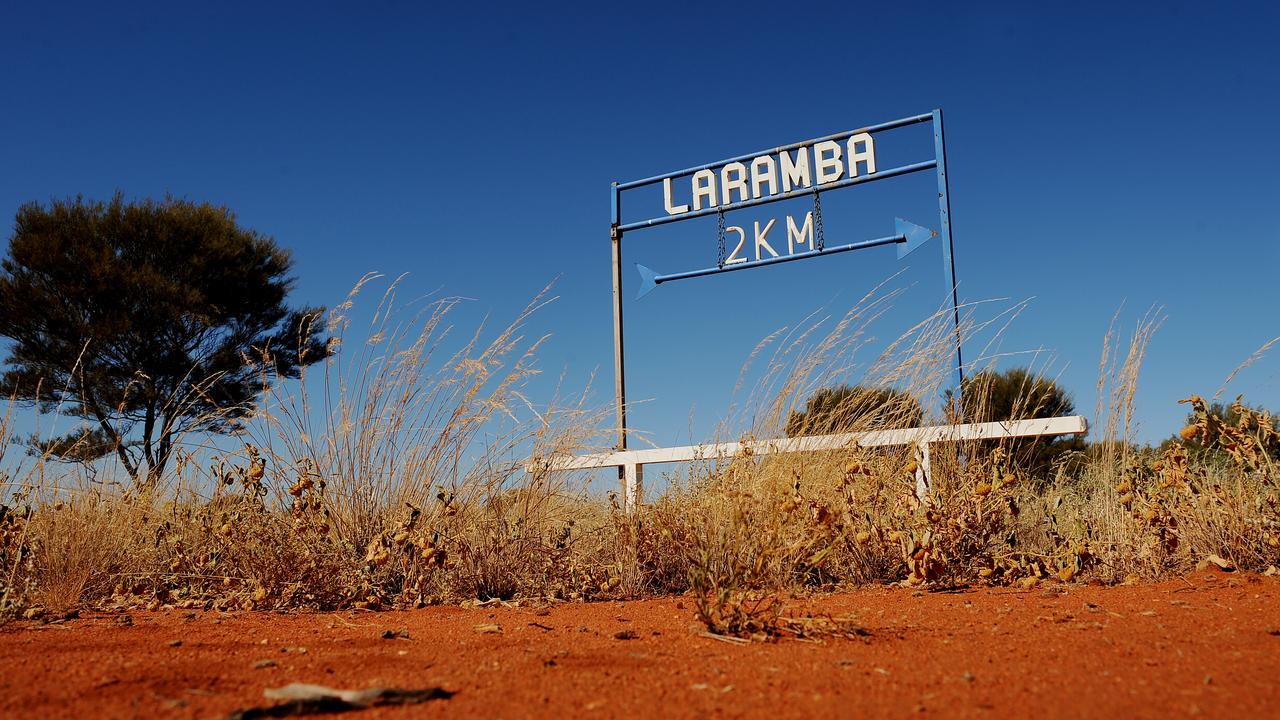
(264, 664)
(489, 629)
(1214, 561)
(393, 634)
(626, 635)
(175, 643)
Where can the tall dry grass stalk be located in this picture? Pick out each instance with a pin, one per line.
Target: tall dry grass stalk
(410, 441)
(1253, 358)
(823, 519)
(1118, 384)
(801, 519)
(395, 474)
(408, 469)
(399, 416)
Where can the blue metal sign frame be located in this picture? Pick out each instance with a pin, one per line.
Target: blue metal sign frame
(908, 235)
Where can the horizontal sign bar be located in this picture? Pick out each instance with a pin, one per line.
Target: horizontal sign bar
(890, 125)
(659, 279)
(908, 236)
(1072, 425)
(881, 175)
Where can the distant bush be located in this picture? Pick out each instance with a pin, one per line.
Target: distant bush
(1019, 394)
(846, 408)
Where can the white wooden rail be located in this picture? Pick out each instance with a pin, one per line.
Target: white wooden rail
(632, 462)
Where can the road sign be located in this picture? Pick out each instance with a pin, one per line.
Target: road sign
(801, 169)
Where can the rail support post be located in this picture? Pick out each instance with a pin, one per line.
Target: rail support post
(924, 470)
(632, 486)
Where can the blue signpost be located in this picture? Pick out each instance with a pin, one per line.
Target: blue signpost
(803, 169)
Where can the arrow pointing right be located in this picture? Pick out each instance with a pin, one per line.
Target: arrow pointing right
(909, 237)
(915, 235)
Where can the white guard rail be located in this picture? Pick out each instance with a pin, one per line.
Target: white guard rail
(632, 462)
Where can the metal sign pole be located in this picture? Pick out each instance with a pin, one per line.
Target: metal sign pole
(619, 381)
(948, 247)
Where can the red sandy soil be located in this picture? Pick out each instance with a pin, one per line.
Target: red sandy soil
(1205, 646)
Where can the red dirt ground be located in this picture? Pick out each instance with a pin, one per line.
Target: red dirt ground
(1205, 646)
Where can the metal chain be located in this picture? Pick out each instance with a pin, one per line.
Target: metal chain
(818, 236)
(720, 222)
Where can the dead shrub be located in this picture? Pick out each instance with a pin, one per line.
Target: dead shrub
(79, 547)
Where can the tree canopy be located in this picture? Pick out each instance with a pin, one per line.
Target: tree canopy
(1018, 394)
(148, 320)
(1014, 394)
(845, 408)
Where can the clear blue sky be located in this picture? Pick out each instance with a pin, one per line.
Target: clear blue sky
(1100, 155)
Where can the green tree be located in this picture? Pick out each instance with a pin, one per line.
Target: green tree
(845, 408)
(1015, 394)
(1018, 394)
(148, 321)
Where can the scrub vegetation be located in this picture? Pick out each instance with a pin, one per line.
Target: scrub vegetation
(410, 468)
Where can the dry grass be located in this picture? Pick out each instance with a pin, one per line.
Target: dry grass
(395, 475)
